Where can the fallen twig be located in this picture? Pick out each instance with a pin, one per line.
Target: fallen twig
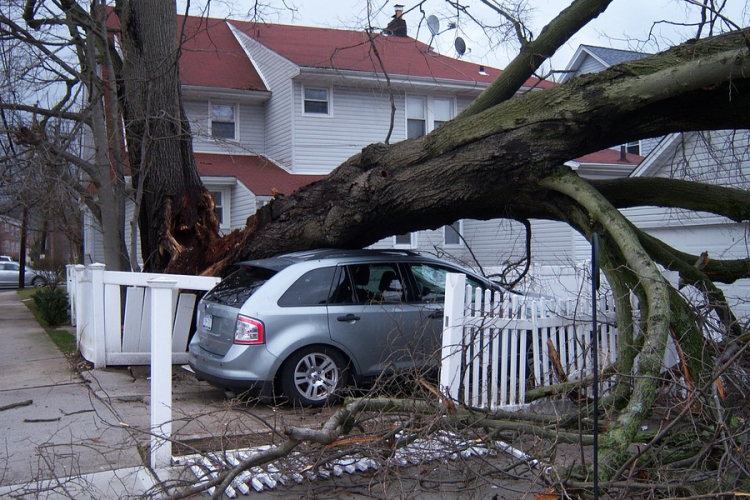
(16, 405)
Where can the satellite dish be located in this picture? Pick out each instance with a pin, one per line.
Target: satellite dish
(433, 24)
(460, 46)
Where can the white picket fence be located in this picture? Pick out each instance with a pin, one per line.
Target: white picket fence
(112, 313)
(495, 348)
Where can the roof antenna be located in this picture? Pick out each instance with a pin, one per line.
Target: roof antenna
(433, 24)
(460, 46)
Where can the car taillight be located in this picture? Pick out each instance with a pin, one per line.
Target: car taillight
(249, 331)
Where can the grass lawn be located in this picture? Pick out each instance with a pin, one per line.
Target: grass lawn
(63, 339)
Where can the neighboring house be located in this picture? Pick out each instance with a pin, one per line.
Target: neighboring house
(57, 245)
(10, 237)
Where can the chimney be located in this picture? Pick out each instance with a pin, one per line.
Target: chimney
(623, 154)
(397, 26)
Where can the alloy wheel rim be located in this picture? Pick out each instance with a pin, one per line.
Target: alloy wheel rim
(316, 376)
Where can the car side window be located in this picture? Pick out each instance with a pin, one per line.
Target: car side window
(375, 283)
(312, 289)
(430, 279)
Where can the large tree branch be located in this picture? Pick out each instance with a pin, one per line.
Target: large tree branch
(716, 270)
(676, 193)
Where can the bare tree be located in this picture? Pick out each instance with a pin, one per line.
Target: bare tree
(98, 87)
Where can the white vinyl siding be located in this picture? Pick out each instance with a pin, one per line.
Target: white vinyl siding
(590, 65)
(243, 205)
(93, 241)
(250, 125)
(361, 117)
(277, 72)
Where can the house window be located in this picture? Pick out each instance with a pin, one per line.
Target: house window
(224, 121)
(442, 111)
(316, 101)
(407, 240)
(221, 206)
(425, 114)
(633, 147)
(415, 117)
(453, 234)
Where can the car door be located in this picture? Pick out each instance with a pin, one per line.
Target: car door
(429, 284)
(371, 317)
(8, 274)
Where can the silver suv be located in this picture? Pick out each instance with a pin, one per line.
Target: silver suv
(307, 324)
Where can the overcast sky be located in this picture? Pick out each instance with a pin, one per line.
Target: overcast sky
(627, 24)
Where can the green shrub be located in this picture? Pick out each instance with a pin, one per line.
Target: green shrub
(52, 304)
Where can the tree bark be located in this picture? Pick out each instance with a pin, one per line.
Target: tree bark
(176, 210)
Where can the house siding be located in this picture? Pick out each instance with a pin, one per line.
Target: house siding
(323, 142)
(277, 72)
(93, 239)
(243, 204)
(590, 65)
(251, 124)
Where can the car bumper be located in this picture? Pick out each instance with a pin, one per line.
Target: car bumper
(232, 374)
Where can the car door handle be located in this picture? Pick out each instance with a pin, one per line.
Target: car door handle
(435, 314)
(347, 318)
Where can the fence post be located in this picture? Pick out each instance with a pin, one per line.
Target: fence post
(97, 315)
(70, 286)
(453, 322)
(161, 371)
(82, 302)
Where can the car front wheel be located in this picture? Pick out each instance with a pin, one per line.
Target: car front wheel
(313, 376)
(38, 282)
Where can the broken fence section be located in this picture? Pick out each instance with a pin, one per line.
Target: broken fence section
(496, 347)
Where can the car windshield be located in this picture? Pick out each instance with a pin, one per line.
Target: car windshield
(239, 286)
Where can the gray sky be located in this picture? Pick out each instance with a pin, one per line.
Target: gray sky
(627, 24)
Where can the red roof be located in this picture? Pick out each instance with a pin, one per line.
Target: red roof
(610, 156)
(258, 173)
(335, 49)
(212, 56)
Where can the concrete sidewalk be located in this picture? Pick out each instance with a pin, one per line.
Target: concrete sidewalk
(70, 436)
(59, 440)
(65, 435)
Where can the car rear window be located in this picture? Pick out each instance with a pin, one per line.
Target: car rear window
(312, 289)
(236, 288)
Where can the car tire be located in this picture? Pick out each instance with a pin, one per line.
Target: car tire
(38, 282)
(314, 376)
